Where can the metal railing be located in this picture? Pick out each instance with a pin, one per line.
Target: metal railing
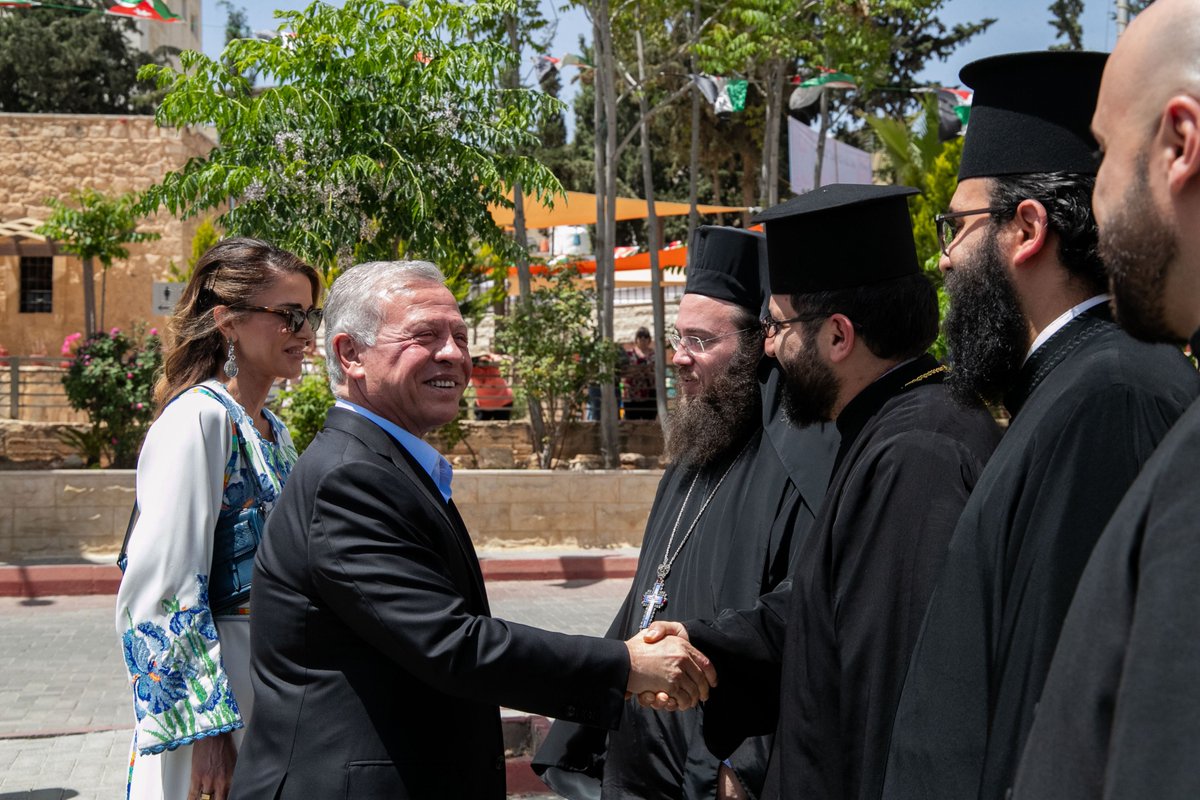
(33, 389)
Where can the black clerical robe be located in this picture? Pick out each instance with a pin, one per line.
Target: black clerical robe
(843, 627)
(1089, 407)
(1120, 714)
(742, 547)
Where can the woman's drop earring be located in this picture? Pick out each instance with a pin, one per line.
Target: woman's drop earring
(231, 367)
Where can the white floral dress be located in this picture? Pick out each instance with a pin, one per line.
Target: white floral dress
(189, 671)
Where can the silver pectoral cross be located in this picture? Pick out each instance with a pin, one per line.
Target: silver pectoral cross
(653, 600)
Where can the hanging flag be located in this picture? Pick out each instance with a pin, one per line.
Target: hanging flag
(726, 95)
(572, 60)
(154, 10)
(545, 66)
(954, 108)
(736, 90)
(829, 79)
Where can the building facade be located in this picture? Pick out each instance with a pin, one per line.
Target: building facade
(50, 156)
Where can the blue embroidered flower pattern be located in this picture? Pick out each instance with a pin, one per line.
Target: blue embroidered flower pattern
(157, 686)
(179, 690)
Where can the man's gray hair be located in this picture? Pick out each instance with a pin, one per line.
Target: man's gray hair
(357, 301)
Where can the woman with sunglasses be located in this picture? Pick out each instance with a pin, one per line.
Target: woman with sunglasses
(212, 466)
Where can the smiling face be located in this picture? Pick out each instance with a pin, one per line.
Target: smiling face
(416, 372)
(264, 346)
(705, 317)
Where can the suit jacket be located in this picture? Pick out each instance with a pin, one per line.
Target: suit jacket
(377, 667)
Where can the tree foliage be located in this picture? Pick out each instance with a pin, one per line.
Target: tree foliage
(556, 352)
(57, 61)
(387, 132)
(1064, 18)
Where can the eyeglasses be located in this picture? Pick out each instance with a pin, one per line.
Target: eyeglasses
(771, 326)
(295, 317)
(947, 232)
(694, 344)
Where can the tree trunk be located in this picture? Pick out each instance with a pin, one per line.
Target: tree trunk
(606, 212)
(89, 298)
(821, 137)
(652, 224)
(775, 86)
(537, 425)
(694, 153)
(103, 294)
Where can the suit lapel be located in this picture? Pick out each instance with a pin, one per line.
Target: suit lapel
(384, 445)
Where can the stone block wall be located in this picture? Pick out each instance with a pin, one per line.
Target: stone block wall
(63, 513)
(57, 515)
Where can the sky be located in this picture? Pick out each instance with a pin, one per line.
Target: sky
(1020, 25)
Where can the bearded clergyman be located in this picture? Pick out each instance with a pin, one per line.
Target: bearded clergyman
(1029, 324)
(741, 491)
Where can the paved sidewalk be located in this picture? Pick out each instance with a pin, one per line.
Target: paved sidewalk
(65, 718)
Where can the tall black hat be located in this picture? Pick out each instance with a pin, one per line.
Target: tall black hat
(1032, 112)
(839, 237)
(728, 264)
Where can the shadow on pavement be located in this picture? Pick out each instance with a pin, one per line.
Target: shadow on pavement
(40, 794)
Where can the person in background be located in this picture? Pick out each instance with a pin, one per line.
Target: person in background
(493, 397)
(637, 375)
(213, 456)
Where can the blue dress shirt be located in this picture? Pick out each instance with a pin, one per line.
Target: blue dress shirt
(438, 468)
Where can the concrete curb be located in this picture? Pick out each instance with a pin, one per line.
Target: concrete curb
(47, 580)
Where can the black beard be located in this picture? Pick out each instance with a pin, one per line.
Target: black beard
(987, 334)
(1137, 248)
(810, 388)
(715, 423)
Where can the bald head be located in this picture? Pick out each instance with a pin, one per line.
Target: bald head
(1147, 195)
(1156, 58)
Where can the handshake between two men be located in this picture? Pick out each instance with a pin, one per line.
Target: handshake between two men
(666, 672)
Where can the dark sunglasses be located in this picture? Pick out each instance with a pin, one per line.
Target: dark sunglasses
(295, 317)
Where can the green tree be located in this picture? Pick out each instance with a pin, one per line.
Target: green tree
(111, 377)
(94, 227)
(1064, 18)
(556, 352)
(55, 61)
(386, 133)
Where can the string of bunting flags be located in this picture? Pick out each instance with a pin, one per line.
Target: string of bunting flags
(152, 10)
(727, 95)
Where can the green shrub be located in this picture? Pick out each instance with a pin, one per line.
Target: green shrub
(303, 405)
(111, 379)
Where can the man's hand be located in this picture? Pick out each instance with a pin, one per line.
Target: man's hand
(661, 701)
(213, 760)
(728, 785)
(669, 668)
(662, 629)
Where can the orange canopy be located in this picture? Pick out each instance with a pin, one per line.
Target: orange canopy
(579, 208)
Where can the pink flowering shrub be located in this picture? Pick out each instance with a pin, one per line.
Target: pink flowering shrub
(111, 377)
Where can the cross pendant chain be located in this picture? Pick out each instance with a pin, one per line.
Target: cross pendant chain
(656, 597)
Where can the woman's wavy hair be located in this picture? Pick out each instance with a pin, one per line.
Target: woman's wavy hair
(229, 271)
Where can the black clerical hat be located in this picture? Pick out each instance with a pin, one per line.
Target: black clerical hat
(838, 237)
(1031, 112)
(728, 264)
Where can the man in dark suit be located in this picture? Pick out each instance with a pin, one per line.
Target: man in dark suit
(376, 664)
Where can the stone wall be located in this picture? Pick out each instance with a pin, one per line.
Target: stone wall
(506, 445)
(69, 514)
(52, 155)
